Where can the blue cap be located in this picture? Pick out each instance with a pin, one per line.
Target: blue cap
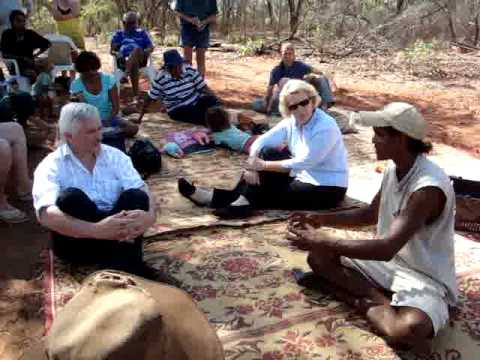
(172, 58)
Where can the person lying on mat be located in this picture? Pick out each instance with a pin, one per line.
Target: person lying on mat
(404, 278)
(181, 90)
(310, 173)
(91, 197)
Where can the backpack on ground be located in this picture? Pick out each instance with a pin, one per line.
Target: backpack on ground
(146, 158)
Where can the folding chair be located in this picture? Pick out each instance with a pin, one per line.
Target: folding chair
(148, 71)
(14, 71)
(60, 53)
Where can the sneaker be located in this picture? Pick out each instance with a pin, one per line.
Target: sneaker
(12, 215)
(187, 189)
(234, 212)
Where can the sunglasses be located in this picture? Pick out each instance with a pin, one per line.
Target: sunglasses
(302, 103)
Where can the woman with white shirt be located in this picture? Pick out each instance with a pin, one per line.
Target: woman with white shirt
(310, 173)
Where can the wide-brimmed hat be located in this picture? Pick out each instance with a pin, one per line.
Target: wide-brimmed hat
(120, 316)
(172, 58)
(399, 115)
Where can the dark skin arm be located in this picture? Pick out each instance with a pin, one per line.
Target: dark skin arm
(423, 207)
(364, 216)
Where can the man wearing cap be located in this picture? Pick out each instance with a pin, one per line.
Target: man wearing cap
(119, 316)
(195, 20)
(182, 91)
(132, 47)
(403, 279)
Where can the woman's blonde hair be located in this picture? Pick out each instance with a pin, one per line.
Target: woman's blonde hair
(295, 86)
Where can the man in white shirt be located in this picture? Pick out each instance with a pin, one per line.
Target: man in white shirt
(91, 197)
(403, 280)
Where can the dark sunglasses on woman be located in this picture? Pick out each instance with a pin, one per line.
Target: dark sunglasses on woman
(302, 103)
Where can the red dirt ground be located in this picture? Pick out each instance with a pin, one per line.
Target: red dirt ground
(452, 110)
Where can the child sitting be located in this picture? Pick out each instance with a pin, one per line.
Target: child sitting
(42, 90)
(217, 120)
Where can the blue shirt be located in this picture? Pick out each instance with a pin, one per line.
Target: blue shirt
(127, 41)
(296, 71)
(197, 8)
(175, 93)
(319, 156)
(101, 100)
(232, 137)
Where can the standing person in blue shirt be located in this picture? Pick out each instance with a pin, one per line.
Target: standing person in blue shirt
(195, 20)
(312, 174)
(290, 68)
(132, 47)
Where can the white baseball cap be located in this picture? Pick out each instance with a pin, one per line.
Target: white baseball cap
(399, 115)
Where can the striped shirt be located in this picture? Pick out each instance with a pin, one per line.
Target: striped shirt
(175, 93)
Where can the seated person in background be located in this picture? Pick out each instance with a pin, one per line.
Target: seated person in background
(403, 280)
(23, 45)
(7, 6)
(91, 197)
(13, 167)
(289, 68)
(42, 88)
(223, 133)
(182, 91)
(100, 90)
(310, 173)
(132, 47)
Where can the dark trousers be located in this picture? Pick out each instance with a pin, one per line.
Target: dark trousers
(195, 113)
(280, 191)
(110, 254)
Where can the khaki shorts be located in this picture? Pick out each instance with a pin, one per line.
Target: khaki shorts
(409, 287)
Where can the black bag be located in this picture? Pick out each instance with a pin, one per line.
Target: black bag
(145, 157)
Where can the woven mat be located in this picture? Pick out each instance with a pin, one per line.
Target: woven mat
(242, 280)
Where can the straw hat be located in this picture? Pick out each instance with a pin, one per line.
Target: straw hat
(120, 316)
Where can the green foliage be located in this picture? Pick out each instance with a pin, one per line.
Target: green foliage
(42, 21)
(251, 47)
(420, 51)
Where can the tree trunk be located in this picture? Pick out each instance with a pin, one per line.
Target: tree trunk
(452, 18)
(295, 9)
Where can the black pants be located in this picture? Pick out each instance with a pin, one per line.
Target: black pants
(110, 254)
(194, 114)
(280, 191)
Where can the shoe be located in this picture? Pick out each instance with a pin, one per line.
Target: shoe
(25, 197)
(12, 215)
(187, 189)
(234, 212)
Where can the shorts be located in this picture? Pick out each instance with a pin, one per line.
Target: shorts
(409, 287)
(191, 37)
(73, 28)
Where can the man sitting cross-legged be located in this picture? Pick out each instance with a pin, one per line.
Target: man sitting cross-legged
(91, 197)
(411, 258)
(181, 90)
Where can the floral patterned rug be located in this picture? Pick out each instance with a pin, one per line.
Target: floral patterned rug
(242, 280)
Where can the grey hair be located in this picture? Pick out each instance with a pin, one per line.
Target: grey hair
(130, 14)
(295, 86)
(72, 114)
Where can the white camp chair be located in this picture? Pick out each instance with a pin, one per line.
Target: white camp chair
(23, 82)
(149, 71)
(59, 53)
